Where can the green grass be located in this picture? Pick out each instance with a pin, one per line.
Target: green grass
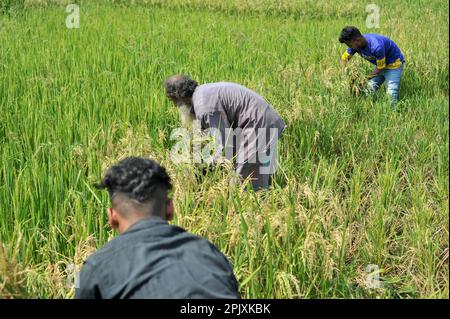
(362, 184)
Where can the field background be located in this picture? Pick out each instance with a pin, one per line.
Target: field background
(358, 185)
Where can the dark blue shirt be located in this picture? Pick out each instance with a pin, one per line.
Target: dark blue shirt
(154, 259)
(380, 51)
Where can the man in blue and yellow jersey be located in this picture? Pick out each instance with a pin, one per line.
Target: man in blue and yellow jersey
(381, 52)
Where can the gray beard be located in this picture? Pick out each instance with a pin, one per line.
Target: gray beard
(186, 117)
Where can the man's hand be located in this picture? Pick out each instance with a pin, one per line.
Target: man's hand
(343, 63)
(375, 72)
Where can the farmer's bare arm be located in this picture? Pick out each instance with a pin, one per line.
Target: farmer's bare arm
(345, 58)
(381, 63)
(375, 73)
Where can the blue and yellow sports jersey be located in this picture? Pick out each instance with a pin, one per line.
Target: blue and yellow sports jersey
(380, 51)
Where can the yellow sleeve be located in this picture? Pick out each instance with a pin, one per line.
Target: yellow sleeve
(381, 64)
(346, 56)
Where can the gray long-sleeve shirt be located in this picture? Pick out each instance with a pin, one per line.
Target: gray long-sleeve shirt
(154, 259)
(225, 105)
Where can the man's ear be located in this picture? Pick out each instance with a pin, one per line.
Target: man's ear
(169, 210)
(112, 218)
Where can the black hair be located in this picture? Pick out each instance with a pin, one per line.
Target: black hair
(348, 34)
(137, 178)
(180, 86)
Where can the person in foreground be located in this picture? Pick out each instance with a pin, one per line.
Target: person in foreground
(249, 126)
(151, 258)
(381, 52)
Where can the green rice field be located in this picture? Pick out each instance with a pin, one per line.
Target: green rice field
(360, 186)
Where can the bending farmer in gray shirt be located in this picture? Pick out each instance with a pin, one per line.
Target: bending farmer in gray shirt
(246, 124)
(150, 258)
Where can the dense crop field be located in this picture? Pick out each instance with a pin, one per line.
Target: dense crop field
(358, 184)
